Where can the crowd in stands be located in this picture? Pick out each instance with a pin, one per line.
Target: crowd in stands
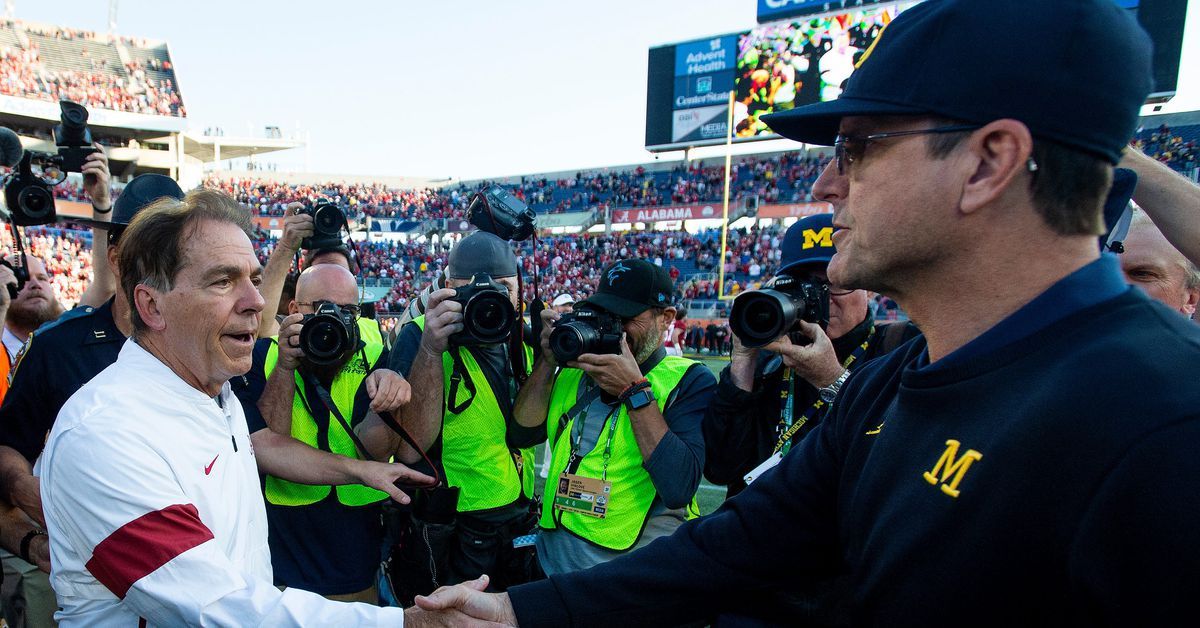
(67, 254)
(127, 87)
(785, 177)
(1177, 149)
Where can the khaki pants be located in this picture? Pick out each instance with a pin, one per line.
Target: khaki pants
(27, 597)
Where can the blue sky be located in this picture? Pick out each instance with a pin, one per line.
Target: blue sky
(459, 89)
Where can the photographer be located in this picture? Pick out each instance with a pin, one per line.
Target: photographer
(623, 421)
(757, 412)
(461, 412)
(323, 539)
(297, 229)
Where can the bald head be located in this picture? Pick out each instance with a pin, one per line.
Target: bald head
(325, 282)
(1154, 265)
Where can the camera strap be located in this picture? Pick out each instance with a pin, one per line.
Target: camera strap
(787, 428)
(459, 378)
(388, 419)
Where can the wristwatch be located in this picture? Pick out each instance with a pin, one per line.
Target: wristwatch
(830, 392)
(639, 399)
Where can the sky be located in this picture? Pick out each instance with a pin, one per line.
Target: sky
(460, 89)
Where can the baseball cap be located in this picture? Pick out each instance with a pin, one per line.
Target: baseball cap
(143, 190)
(807, 241)
(1073, 71)
(482, 252)
(632, 286)
(563, 299)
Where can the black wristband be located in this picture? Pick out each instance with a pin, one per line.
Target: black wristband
(101, 211)
(26, 541)
(633, 388)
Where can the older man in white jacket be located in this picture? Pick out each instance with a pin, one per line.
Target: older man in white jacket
(149, 482)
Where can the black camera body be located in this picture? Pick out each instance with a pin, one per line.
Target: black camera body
(20, 272)
(760, 316)
(488, 315)
(329, 336)
(72, 136)
(499, 213)
(586, 330)
(328, 222)
(29, 198)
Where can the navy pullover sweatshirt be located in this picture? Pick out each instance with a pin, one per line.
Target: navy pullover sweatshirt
(1054, 480)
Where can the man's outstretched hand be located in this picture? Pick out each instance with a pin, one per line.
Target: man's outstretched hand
(462, 605)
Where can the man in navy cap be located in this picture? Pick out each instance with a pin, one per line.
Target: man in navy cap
(1032, 459)
(770, 398)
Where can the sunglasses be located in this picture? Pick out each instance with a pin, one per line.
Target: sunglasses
(848, 149)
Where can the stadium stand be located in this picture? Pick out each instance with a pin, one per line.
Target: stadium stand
(116, 73)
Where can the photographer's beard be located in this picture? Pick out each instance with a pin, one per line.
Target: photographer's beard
(646, 344)
(25, 316)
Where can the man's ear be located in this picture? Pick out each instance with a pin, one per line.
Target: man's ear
(292, 307)
(668, 316)
(1001, 152)
(1193, 299)
(148, 302)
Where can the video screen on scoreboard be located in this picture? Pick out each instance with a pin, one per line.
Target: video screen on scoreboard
(798, 62)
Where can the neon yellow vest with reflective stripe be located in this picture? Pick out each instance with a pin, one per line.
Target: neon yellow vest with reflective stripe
(632, 489)
(475, 455)
(304, 429)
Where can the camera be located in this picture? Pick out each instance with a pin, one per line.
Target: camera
(329, 336)
(585, 330)
(72, 136)
(499, 213)
(328, 221)
(29, 190)
(20, 272)
(761, 316)
(488, 315)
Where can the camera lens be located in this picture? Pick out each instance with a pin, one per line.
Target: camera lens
(328, 220)
(36, 202)
(569, 341)
(323, 340)
(761, 316)
(489, 316)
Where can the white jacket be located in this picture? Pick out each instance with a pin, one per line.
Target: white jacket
(154, 511)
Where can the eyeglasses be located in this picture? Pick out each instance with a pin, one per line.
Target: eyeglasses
(848, 149)
(349, 307)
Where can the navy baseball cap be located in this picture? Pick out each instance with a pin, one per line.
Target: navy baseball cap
(1073, 71)
(807, 241)
(632, 286)
(140, 192)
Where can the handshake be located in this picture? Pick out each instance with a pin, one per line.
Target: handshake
(462, 605)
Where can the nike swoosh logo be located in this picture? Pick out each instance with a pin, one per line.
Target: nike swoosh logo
(208, 469)
(875, 431)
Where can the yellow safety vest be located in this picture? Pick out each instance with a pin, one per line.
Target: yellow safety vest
(304, 429)
(475, 455)
(632, 489)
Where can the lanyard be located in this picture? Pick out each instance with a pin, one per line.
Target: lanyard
(786, 428)
(577, 443)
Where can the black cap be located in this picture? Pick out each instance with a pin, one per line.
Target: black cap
(143, 190)
(632, 286)
(1073, 71)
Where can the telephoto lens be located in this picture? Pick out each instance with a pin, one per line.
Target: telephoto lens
(761, 316)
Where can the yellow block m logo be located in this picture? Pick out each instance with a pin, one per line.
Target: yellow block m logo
(812, 238)
(951, 467)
